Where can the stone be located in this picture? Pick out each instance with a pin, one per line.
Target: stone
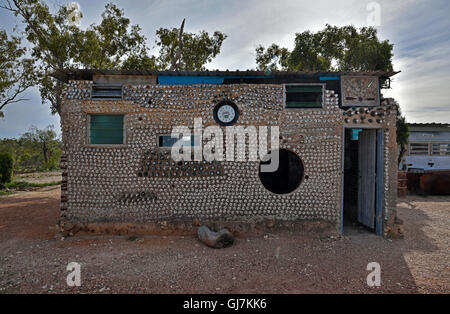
(270, 223)
(217, 240)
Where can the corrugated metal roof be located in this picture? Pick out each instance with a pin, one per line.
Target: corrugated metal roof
(87, 74)
(429, 127)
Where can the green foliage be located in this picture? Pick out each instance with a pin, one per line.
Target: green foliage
(58, 43)
(52, 40)
(17, 73)
(268, 60)
(135, 62)
(18, 185)
(402, 134)
(104, 46)
(335, 48)
(22, 185)
(197, 49)
(331, 49)
(113, 44)
(6, 167)
(35, 150)
(191, 54)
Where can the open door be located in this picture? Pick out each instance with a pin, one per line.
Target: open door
(363, 179)
(367, 152)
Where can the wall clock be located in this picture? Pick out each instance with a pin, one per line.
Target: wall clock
(226, 113)
(360, 91)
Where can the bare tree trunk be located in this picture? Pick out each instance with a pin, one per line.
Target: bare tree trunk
(57, 103)
(176, 59)
(45, 152)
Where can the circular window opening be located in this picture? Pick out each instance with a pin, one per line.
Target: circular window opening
(287, 177)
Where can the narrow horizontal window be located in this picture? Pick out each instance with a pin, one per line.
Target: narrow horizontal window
(106, 129)
(418, 149)
(107, 92)
(304, 96)
(169, 141)
(440, 149)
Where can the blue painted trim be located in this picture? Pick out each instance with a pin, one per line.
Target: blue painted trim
(355, 134)
(329, 78)
(193, 80)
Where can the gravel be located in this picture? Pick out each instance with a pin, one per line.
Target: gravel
(34, 258)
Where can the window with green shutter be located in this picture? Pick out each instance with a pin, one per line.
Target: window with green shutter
(303, 96)
(106, 129)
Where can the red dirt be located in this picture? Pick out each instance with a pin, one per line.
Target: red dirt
(30, 215)
(33, 257)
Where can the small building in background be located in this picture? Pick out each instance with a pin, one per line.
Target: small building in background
(427, 158)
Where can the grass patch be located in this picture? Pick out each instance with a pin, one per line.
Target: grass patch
(24, 186)
(4, 192)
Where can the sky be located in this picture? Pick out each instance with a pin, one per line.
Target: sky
(419, 30)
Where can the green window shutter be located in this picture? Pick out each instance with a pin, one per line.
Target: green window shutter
(304, 96)
(106, 129)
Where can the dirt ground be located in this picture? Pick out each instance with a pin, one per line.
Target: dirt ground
(33, 257)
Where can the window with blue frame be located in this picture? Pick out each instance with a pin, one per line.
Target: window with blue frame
(167, 141)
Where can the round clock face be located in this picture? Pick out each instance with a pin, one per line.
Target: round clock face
(226, 113)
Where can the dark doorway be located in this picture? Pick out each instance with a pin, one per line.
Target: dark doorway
(288, 176)
(362, 179)
(350, 179)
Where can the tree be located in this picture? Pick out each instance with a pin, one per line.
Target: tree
(58, 43)
(402, 134)
(27, 151)
(335, 48)
(106, 45)
(52, 43)
(6, 168)
(268, 60)
(179, 51)
(42, 140)
(331, 49)
(17, 73)
(183, 51)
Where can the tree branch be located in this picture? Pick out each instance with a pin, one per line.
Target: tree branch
(176, 59)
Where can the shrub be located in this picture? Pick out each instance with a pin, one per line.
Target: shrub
(6, 168)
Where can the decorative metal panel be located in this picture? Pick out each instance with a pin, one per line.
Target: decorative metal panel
(360, 91)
